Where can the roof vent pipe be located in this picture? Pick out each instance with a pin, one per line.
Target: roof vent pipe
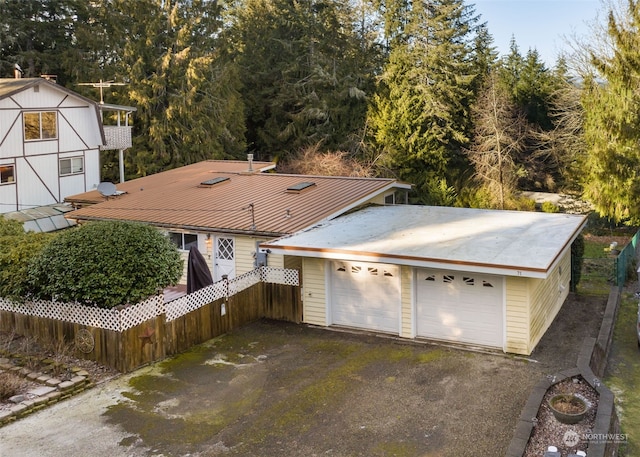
(17, 71)
(250, 159)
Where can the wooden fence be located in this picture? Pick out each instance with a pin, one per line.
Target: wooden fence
(128, 338)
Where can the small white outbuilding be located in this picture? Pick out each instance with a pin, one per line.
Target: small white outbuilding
(486, 278)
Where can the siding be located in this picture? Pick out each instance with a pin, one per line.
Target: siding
(314, 305)
(548, 296)
(292, 262)
(406, 313)
(78, 134)
(517, 318)
(245, 247)
(184, 255)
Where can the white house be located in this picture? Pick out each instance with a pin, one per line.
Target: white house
(487, 278)
(50, 142)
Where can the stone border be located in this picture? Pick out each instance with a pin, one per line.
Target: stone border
(52, 390)
(591, 360)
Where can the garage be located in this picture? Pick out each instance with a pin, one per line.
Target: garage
(365, 295)
(477, 277)
(459, 307)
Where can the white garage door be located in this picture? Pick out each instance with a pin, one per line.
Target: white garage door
(460, 307)
(365, 295)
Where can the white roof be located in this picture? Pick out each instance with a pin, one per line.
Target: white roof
(515, 243)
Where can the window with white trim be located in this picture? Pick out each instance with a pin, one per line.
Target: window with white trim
(40, 125)
(184, 241)
(7, 174)
(71, 166)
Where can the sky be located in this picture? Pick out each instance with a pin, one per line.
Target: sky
(539, 24)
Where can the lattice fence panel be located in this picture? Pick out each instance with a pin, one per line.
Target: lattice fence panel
(242, 282)
(70, 312)
(187, 303)
(136, 314)
(280, 276)
(125, 318)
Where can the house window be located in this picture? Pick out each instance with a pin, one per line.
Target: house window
(41, 125)
(71, 166)
(390, 199)
(7, 174)
(183, 241)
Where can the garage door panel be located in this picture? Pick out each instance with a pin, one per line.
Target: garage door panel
(365, 295)
(460, 307)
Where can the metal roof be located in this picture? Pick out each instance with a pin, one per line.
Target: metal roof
(47, 218)
(249, 202)
(516, 243)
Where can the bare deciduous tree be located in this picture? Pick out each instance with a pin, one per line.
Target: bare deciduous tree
(500, 134)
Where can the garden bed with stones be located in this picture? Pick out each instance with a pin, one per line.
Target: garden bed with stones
(33, 376)
(567, 438)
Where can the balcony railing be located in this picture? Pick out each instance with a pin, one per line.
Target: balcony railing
(118, 137)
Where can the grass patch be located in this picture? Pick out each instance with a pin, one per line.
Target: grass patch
(431, 356)
(598, 268)
(624, 375)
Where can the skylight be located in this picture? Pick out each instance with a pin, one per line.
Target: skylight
(211, 182)
(299, 187)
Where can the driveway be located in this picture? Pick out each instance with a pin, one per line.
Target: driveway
(274, 388)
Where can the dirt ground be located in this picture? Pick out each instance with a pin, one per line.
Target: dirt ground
(273, 388)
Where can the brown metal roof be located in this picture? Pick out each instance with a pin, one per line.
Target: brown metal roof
(257, 203)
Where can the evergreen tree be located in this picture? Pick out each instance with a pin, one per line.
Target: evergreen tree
(612, 123)
(304, 71)
(420, 115)
(532, 87)
(485, 56)
(189, 107)
(39, 36)
(562, 148)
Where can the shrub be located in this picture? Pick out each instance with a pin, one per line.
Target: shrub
(475, 198)
(521, 203)
(105, 264)
(550, 207)
(10, 385)
(17, 249)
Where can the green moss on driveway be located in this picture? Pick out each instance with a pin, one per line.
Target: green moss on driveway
(279, 389)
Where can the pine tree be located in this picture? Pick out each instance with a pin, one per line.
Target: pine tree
(420, 114)
(39, 36)
(612, 123)
(304, 71)
(189, 107)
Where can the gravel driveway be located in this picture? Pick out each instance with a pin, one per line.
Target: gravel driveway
(273, 388)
